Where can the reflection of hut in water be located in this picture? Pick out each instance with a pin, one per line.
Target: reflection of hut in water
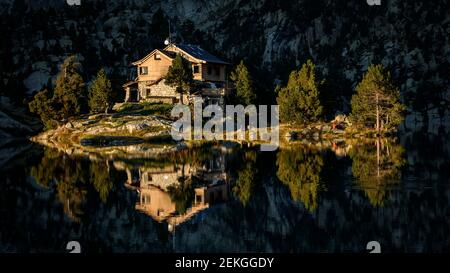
(156, 203)
(153, 186)
(161, 177)
(205, 196)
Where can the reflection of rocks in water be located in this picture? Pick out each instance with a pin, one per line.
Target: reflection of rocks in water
(143, 150)
(340, 148)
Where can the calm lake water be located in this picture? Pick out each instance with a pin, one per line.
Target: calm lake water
(222, 199)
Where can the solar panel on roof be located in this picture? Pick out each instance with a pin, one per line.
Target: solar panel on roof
(199, 53)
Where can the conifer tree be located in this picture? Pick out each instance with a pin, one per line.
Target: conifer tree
(70, 91)
(299, 100)
(180, 75)
(101, 96)
(43, 105)
(245, 93)
(68, 98)
(376, 103)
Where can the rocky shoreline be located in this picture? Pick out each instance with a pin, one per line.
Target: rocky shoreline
(101, 133)
(144, 135)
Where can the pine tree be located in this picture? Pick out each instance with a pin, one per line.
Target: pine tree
(376, 103)
(70, 91)
(299, 100)
(43, 105)
(180, 75)
(245, 93)
(101, 96)
(68, 98)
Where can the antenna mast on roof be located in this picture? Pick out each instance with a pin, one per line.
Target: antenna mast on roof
(168, 40)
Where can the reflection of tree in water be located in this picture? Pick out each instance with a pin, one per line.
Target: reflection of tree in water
(300, 170)
(183, 194)
(72, 178)
(101, 178)
(280, 225)
(196, 156)
(246, 178)
(72, 196)
(377, 167)
(243, 162)
(44, 172)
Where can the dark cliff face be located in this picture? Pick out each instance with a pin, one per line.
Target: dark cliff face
(411, 38)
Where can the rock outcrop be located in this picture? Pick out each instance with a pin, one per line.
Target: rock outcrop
(109, 133)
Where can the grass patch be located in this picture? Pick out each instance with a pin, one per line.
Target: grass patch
(145, 109)
(159, 139)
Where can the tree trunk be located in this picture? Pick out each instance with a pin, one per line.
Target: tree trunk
(378, 112)
(180, 92)
(378, 158)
